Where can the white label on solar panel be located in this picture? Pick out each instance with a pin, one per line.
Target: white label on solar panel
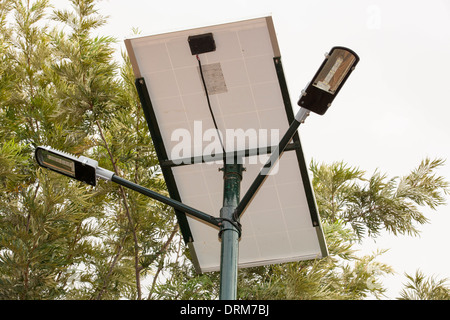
(215, 82)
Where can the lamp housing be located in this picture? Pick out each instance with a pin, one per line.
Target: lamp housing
(328, 80)
(80, 168)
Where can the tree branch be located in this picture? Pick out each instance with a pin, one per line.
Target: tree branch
(129, 217)
(161, 252)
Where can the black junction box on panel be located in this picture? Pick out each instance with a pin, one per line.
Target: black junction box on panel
(202, 43)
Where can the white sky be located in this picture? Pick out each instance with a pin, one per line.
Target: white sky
(392, 112)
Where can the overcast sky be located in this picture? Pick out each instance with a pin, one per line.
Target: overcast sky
(393, 111)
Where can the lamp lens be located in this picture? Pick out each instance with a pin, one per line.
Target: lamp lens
(334, 70)
(56, 162)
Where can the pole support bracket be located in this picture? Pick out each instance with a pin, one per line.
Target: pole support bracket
(229, 223)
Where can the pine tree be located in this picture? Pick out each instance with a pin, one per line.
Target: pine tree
(60, 86)
(370, 205)
(419, 287)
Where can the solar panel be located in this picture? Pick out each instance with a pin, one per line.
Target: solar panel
(246, 111)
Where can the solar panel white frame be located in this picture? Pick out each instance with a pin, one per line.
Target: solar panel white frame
(277, 226)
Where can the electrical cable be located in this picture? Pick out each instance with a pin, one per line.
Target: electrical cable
(235, 223)
(209, 103)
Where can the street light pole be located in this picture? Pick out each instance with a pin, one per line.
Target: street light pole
(229, 233)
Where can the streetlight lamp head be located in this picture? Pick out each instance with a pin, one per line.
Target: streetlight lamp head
(329, 79)
(80, 168)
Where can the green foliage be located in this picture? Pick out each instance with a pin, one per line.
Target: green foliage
(377, 203)
(60, 239)
(420, 287)
(183, 283)
(84, 72)
(342, 275)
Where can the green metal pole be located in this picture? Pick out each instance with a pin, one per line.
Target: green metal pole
(232, 175)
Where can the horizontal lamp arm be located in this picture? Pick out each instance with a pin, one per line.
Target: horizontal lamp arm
(87, 170)
(166, 200)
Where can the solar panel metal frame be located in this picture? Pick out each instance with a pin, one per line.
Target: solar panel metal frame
(168, 166)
